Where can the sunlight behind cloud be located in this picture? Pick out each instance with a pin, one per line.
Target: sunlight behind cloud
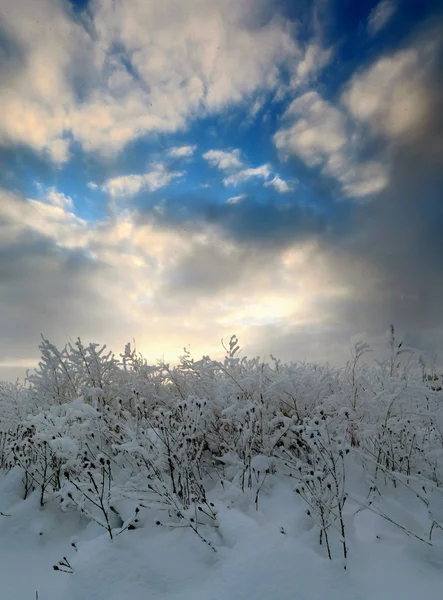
(172, 169)
(132, 261)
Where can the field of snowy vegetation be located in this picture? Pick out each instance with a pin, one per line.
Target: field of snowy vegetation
(221, 480)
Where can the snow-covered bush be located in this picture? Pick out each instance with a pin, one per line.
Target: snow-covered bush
(316, 460)
(97, 432)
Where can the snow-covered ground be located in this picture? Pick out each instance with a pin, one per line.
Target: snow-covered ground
(269, 554)
(238, 480)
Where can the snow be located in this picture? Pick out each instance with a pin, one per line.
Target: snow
(219, 481)
(269, 554)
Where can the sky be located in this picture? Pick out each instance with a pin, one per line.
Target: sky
(176, 172)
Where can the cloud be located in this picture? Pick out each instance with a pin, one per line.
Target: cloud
(315, 58)
(279, 184)
(357, 180)
(235, 199)
(318, 133)
(36, 96)
(125, 185)
(380, 15)
(391, 99)
(146, 68)
(316, 129)
(393, 250)
(231, 162)
(63, 276)
(59, 199)
(384, 257)
(224, 160)
(254, 109)
(391, 95)
(261, 172)
(282, 275)
(210, 264)
(48, 283)
(44, 217)
(130, 185)
(265, 224)
(309, 341)
(182, 151)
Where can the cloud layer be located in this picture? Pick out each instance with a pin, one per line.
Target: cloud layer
(210, 173)
(131, 68)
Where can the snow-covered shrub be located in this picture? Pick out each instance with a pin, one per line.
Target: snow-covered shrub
(76, 370)
(48, 444)
(97, 432)
(316, 460)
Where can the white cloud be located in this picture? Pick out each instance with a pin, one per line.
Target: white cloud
(124, 186)
(316, 129)
(390, 95)
(176, 61)
(255, 108)
(314, 60)
(182, 151)
(357, 179)
(317, 132)
(223, 160)
(59, 199)
(185, 59)
(232, 164)
(36, 95)
(45, 217)
(241, 176)
(390, 98)
(236, 199)
(131, 261)
(380, 15)
(129, 185)
(58, 150)
(279, 184)
(92, 185)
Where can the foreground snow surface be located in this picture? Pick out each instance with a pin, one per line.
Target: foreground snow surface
(267, 554)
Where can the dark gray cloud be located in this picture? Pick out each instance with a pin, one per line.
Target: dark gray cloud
(261, 224)
(388, 252)
(47, 290)
(208, 268)
(256, 231)
(392, 254)
(12, 55)
(327, 343)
